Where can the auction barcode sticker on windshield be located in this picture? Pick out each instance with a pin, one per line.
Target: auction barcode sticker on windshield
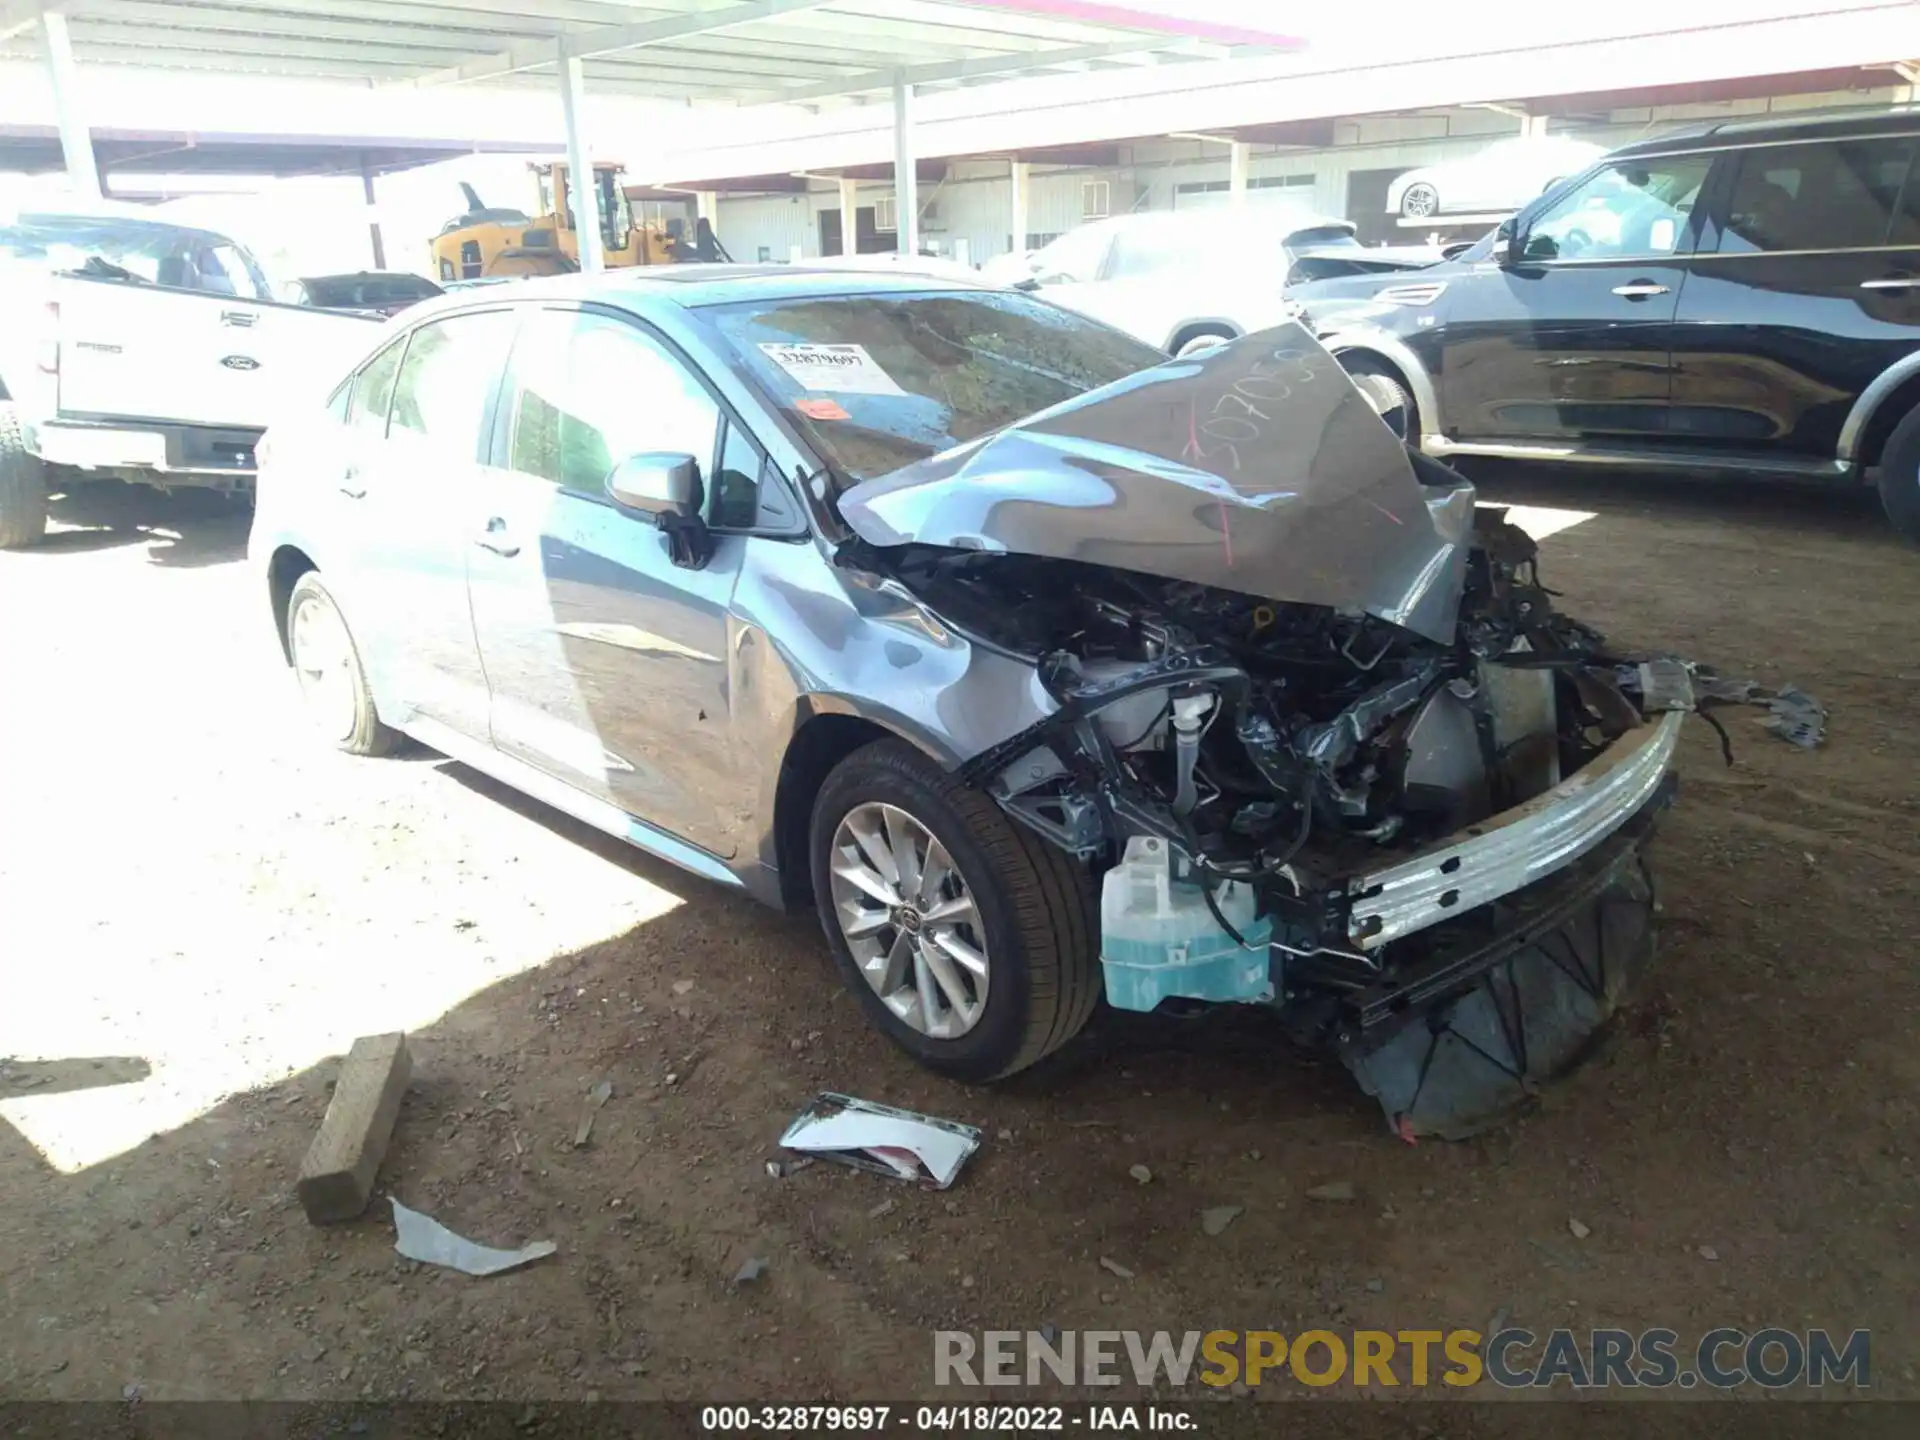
(843, 369)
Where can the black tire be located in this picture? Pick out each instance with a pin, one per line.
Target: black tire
(363, 732)
(1391, 398)
(1900, 477)
(1037, 907)
(23, 489)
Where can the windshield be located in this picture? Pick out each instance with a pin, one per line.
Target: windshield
(879, 381)
(146, 250)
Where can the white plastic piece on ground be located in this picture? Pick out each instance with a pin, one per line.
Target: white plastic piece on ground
(420, 1237)
(873, 1137)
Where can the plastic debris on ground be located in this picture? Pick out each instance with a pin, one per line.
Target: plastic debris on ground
(596, 1097)
(420, 1237)
(878, 1138)
(1797, 717)
(1665, 683)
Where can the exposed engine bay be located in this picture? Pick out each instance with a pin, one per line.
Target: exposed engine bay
(1245, 760)
(1281, 745)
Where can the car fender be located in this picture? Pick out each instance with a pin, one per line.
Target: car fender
(1853, 430)
(1371, 340)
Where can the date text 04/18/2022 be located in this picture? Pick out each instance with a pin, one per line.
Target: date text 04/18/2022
(940, 1419)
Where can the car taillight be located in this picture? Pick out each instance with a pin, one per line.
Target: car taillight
(49, 357)
(262, 451)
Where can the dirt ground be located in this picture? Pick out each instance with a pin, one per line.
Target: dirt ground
(198, 907)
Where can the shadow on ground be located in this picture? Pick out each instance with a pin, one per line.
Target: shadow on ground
(181, 529)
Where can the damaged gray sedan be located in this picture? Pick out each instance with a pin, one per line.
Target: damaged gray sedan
(1047, 669)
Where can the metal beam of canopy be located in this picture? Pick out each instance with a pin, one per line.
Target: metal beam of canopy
(793, 51)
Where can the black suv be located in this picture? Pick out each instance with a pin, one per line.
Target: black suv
(1742, 298)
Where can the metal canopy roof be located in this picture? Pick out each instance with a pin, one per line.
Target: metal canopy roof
(36, 148)
(725, 51)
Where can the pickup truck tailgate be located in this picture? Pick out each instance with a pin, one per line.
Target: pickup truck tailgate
(137, 351)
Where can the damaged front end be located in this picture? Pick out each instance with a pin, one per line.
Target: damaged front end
(1317, 720)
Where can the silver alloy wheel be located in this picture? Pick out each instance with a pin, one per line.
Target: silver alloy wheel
(910, 920)
(1420, 201)
(323, 659)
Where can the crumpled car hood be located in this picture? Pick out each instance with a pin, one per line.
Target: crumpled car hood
(1254, 466)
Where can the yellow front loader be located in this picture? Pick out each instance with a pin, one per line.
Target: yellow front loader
(486, 243)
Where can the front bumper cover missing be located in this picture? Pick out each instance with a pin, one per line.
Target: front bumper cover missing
(1515, 849)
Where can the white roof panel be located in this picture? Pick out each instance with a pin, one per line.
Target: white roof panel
(738, 51)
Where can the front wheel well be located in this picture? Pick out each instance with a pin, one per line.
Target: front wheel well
(821, 743)
(1370, 362)
(1901, 402)
(289, 563)
(1197, 329)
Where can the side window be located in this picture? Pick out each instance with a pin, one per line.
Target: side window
(733, 497)
(448, 379)
(1148, 249)
(1630, 210)
(589, 391)
(1906, 215)
(1077, 255)
(373, 390)
(1834, 195)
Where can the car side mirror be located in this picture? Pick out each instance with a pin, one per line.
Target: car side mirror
(663, 487)
(1508, 246)
(657, 484)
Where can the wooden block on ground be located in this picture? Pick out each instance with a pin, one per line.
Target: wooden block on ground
(336, 1179)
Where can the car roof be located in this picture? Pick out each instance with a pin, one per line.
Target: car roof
(1899, 120)
(694, 286)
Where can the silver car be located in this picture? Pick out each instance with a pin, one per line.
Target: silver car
(1183, 280)
(1048, 670)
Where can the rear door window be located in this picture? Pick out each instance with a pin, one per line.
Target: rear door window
(1830, 195)
(373, 390)
(444, 393)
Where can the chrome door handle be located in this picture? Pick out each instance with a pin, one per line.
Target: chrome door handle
(1639, 291)
(494, 538)
(1897, 282)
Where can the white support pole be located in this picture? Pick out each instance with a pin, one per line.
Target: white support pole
(75, 143)
(906, 189)
(1239, 159)
(706, 206)
(1534, 127)
(581, 189)
(1017, 186)
(849, 214)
